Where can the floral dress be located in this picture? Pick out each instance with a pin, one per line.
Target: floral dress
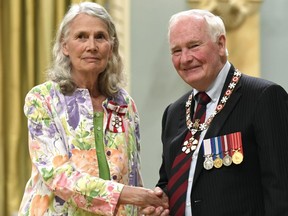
(65, 175)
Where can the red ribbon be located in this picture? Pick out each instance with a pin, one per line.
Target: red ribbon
(115, 118)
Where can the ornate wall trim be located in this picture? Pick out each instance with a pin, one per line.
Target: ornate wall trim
(233, 12)
(241, 18)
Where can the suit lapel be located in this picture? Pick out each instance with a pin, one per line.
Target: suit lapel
(177, 141)
(219, 120)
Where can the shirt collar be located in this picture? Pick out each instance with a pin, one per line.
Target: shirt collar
(215, 89)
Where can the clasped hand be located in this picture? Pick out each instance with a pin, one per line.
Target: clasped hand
(157, 210)
(151, 202)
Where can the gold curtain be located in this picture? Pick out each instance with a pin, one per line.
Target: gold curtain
(27, 29)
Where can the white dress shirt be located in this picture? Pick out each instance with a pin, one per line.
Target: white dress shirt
(214, 92)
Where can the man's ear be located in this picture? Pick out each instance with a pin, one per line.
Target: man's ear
(222, 44)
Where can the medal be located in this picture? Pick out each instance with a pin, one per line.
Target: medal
(208, 163)
(116, 121)
(218, 162)
(237, 157)
(227, 160)
(217, 151)
(189, 145)
(236, 141)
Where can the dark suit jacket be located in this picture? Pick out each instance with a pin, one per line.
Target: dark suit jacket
(259, 185)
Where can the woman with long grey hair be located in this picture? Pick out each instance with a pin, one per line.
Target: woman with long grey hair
(84, 127)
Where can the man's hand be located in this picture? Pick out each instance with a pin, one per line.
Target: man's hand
(143, 197)
(160, 210)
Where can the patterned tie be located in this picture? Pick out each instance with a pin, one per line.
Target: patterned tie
(177, 184)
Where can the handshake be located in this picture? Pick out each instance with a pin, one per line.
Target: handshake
(151, 202)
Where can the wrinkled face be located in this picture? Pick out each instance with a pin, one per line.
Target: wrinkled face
(87, 45)
(196, 57)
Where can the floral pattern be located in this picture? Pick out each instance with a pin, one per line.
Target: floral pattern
(65, 175)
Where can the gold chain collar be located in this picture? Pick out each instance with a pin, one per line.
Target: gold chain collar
(195, 126)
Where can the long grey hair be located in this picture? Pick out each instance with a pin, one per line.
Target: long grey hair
(112, 78)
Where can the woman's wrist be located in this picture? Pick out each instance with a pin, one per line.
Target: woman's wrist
(133, 195)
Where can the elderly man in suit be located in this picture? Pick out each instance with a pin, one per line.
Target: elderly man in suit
(231, 159)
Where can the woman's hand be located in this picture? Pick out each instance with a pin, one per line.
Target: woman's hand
(147, 199)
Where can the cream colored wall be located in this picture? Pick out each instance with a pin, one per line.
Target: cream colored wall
(274, 41)
(120, 11)
(154, 83)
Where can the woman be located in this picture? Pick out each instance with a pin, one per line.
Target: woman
(83, 127)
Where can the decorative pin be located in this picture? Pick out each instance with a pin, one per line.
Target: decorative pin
(189, 145)
(115, 117)
(116, 121)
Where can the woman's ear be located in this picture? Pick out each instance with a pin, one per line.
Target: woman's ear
(111, 49)
(64, 49)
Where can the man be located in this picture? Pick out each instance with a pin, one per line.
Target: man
(237, 156)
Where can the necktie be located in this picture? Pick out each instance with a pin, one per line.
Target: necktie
(177, 184)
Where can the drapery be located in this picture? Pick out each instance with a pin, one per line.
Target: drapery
(27, 30)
